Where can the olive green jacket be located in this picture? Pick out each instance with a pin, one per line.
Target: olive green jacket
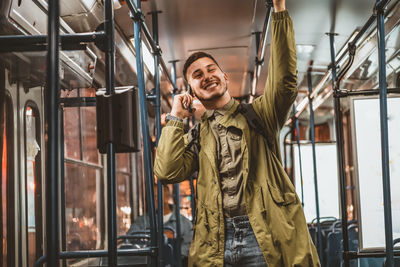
(273, 208)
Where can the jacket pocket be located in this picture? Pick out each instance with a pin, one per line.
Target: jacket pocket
(263, 210)
(280, 197)
(207, 228)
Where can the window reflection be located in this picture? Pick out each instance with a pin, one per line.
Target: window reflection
(89, 135)
(123, 162)
(82, 207)
(123, 204)
(72, 133)
(33, 196)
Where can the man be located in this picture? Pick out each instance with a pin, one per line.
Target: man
(142, 223)
(248, 213)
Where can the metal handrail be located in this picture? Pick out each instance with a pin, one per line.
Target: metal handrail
(138, 22)
(387, 206)
(314, 157)
(137, 13)
(260, 52)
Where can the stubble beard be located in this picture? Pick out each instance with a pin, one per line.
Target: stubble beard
(213, 97)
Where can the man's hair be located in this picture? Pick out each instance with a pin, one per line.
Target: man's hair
(193, 57)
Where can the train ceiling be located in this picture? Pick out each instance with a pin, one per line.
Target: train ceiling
(224, 28)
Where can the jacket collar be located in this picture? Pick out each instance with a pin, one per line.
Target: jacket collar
(227, 109)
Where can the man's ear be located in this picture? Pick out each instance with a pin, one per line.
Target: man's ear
(226, 77)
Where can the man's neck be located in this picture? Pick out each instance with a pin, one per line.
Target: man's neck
(217, 103)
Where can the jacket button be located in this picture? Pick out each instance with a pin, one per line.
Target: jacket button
(215, 182)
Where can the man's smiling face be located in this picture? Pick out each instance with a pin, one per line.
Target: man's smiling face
(208, 81)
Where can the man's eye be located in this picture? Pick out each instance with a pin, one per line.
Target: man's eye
(211, 70)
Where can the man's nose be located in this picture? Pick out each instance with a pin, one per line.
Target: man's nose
(207, 77)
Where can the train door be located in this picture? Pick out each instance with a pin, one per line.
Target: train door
(28, 138)
(7, 192)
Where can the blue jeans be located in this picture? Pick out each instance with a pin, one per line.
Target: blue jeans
(241, 246)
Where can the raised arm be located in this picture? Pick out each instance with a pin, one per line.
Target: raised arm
(281, 86)
(174, 162)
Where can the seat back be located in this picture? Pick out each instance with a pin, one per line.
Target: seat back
(333, 249)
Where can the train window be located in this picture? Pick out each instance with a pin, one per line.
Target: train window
(328, 183)
(33, 184)
(89, 134)
(72, 140)
(7, 187)
(322, 132)
(124, 189)
(83, 207)
(84, 185)
(367, 153)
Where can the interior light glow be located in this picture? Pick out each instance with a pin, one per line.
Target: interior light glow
(148, 58)
(304, 49)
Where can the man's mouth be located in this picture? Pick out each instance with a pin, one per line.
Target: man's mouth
(210, 85)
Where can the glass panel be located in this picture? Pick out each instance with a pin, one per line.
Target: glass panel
(84, 210)
(32, 150)
(369, 169)
(71, 133)
(89, 135)
(327, 174)
(88, 92)
(124, 208)
(123, 162)
(68, 93)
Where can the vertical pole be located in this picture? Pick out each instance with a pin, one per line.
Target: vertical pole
(384, 136)
(177, 193)
(296, 123)
(160, 198)
(340, 153)
(312, 131)
(145, 128)
(52, 93)
(173, 76)
(111, 176)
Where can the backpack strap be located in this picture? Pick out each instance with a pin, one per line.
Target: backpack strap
(194, 139)
(253, 120)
